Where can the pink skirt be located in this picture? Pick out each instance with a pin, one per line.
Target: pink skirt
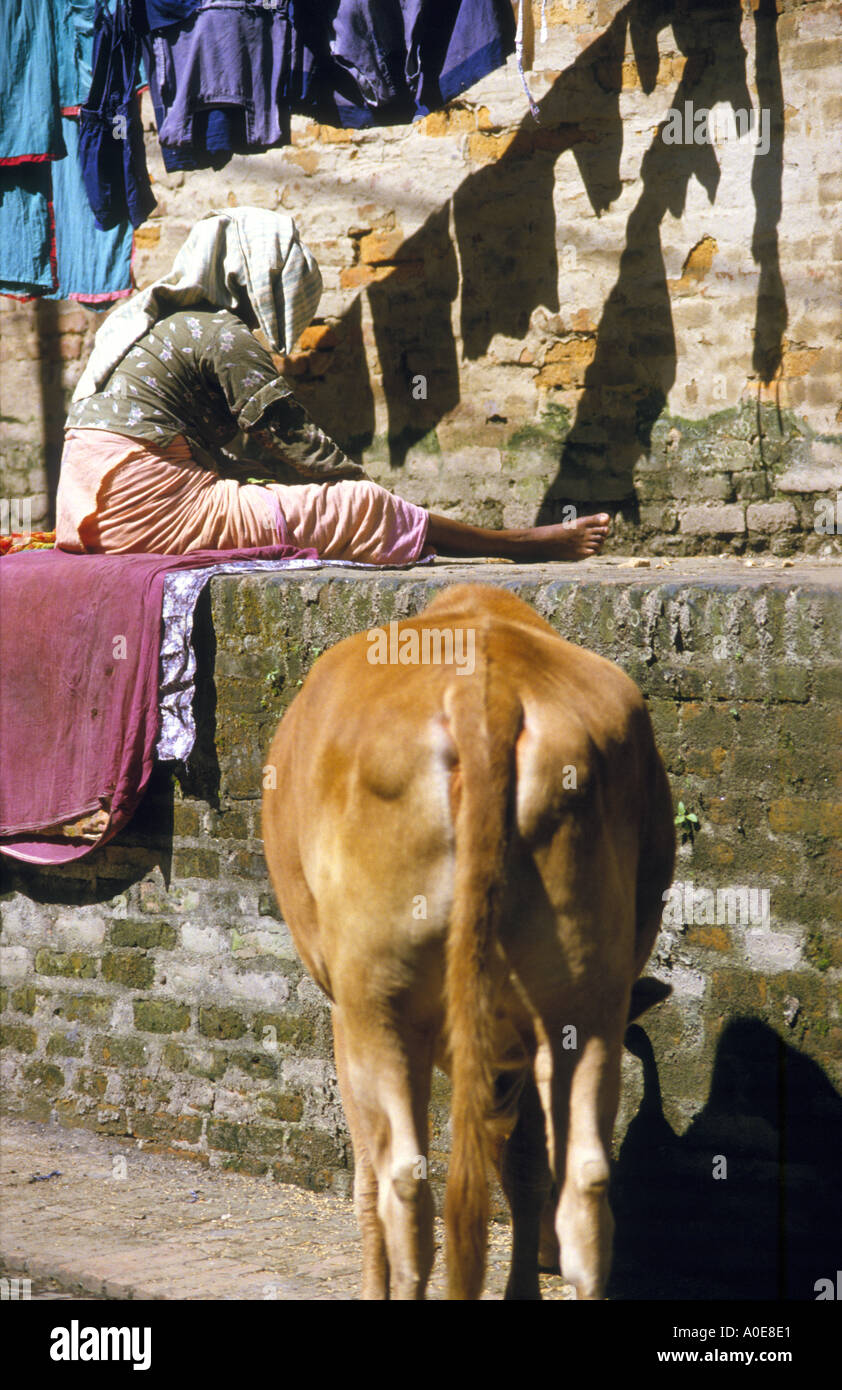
(121, 494)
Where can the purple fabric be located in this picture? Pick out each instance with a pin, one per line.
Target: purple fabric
(79, 655)
(234, 55)
(111, 153)
(157, 14)
(384, 62)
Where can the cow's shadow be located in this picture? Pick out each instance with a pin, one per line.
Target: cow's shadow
(770, 1224)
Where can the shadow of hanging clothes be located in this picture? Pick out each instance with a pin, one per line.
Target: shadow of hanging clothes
(53, 407)
(504, 214)
(509, 258)
(342, 401)
(627, 384)
(746, 1203)
(766, 186)
(411, 312)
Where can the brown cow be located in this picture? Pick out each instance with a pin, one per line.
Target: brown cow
(471, 855)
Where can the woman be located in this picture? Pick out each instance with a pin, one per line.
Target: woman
(176, 373)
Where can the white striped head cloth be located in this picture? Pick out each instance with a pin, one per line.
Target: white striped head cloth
(228, 256)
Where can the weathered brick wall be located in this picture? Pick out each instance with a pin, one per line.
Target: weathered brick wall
(518, 315)
(152, 992)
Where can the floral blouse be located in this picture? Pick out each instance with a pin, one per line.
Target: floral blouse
(202, 374)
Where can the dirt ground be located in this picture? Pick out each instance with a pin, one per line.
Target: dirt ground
(123, 1224)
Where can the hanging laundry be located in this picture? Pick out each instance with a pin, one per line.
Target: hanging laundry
(30, 123)
(157, 14)
(93, 265)
(27, 233)
(482, 37)
(50, 246)
(224, 75)
(76, 54)
(386, 62)
(219, 81)
(30, 139)
(229, 53)
(111, 150)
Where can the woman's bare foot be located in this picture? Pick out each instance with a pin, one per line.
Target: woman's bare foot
(563, 541)
(569, 540)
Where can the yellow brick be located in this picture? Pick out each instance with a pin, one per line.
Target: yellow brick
(378, 247)
(564, 12)
(722, 854)
(307, 160)
(719, 757)
(355, 277)
(371, 215)
(565, 363)
(798, 359)
(807, 817)
(696, 266)
(451, 121)
(330, 135)
(308, 363)
(147, 235)
(582, 322)
(318, 335)
(486, 149)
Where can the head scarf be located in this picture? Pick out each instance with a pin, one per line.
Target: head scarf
(239, 254)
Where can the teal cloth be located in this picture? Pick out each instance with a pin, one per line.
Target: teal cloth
(25, 267)
(46, 223)
(30, 122)
(91, 263)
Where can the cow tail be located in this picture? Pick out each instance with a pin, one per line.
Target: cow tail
(485, 718)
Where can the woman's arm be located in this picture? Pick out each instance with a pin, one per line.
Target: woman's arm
(288, 433)
(265, 409)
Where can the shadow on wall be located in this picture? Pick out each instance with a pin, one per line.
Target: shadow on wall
(634, 367)
(345, 409)
(770, 1225)
(505, 225)
(53, 407)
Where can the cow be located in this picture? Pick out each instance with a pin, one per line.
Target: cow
(472, 856)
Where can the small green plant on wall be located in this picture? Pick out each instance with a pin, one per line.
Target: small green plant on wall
(275, 681)
(687, 822)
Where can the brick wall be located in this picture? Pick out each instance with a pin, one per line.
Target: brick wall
(151, 992)
(518, 316)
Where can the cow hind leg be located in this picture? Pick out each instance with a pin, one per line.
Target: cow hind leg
(375, 1279)
(525, 1177)
(390, 1088)
(584, 1224)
